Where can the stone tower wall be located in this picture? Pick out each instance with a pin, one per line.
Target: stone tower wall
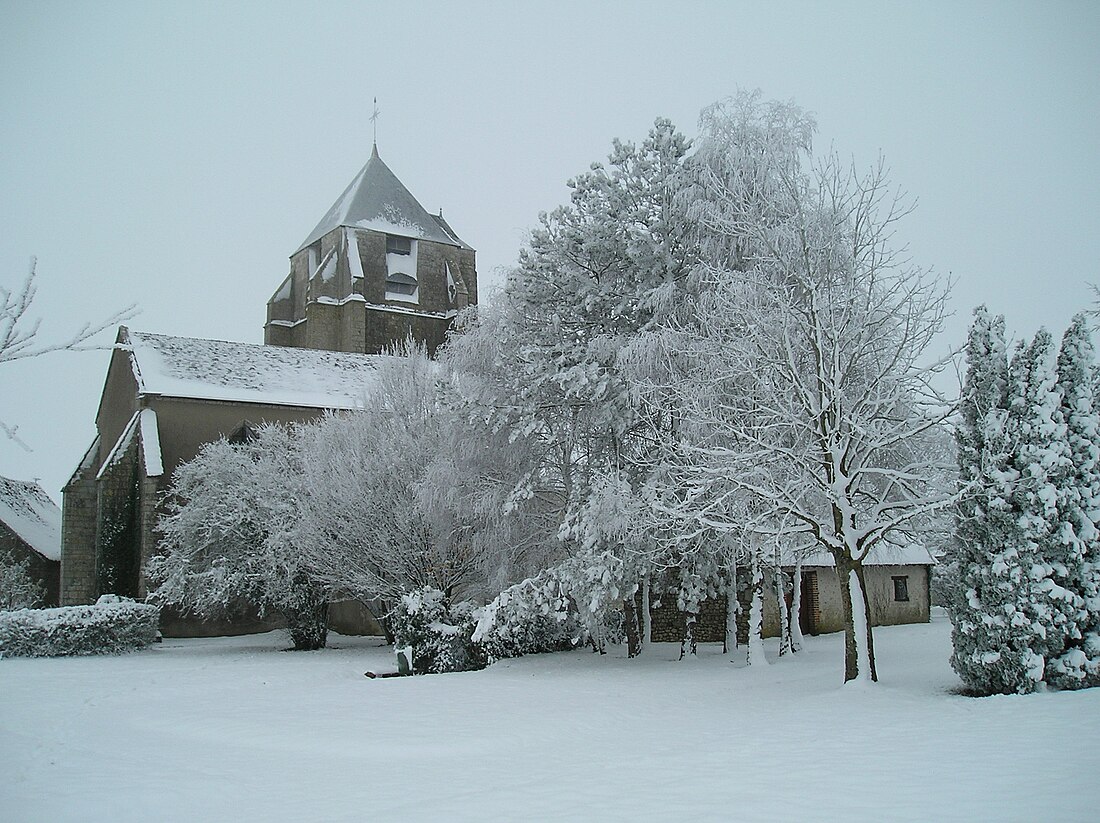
(78, 525)
(349, 314)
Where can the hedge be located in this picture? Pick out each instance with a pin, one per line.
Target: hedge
(114, 625)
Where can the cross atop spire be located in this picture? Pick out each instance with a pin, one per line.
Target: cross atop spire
(374, 122)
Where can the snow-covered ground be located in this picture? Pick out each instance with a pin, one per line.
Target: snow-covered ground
(237, 729)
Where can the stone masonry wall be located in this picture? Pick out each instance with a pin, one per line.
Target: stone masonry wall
(118, 526)
(78, 521)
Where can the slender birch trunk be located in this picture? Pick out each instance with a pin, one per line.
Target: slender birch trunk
(630, 619)
(733, 606)
(687, 643)
(756, 614)
(796, 608)
(785, 645)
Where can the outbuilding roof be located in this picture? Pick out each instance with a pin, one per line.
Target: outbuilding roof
(27, 510)
(377, 200)
(189, 367)
(883, 554)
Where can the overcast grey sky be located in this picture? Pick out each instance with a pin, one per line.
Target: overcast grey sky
(175, 154)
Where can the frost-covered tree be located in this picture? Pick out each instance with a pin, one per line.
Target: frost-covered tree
(544, 364)
(367, 525)
(18, 590)
(19, 331)
(228, 535)
(815, 329)
(414, 491)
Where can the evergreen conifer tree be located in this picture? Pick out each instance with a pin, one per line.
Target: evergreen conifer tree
(984, 523)
(1046, 607)
(1079, 508)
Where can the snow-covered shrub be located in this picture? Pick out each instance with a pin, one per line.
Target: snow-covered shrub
(112, 626)
(228, 536)
(439, 634)
(529, 618)
(18, 590)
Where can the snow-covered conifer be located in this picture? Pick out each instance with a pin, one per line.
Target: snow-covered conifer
(983, 518)
(1041, 457)
(1013, 611)
(1077, 540)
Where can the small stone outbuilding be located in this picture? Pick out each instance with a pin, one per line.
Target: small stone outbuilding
(898, 592)
(30, 533)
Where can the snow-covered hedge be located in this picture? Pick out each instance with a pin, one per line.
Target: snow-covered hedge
(112, 626)
(528, 618)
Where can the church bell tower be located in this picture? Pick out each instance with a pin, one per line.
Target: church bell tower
(377, 268)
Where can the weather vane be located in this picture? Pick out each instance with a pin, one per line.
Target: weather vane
(374, 120)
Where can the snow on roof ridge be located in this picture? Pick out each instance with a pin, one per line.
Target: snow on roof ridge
(27, 510)
(150, 444)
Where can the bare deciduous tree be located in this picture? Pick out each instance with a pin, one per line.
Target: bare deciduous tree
(19, 338)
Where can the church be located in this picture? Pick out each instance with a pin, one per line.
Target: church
(376, 269)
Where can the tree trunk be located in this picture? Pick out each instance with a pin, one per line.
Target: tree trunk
(796, 608)
(647, 618)
(630, 624)
(785, 644)
(756, 614)
(687, 643)
(307, 617)
(729, 640)
(859, 659)
(743, 583)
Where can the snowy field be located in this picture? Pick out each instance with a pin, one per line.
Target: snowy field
(237, 729)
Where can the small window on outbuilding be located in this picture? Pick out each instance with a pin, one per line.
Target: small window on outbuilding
(398, 245)
(901, 589)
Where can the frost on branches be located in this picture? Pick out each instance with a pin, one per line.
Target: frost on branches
(228, 536)
(1024, 611)
(802, 395)
(544, 365)
(18, 590)
(19, 331)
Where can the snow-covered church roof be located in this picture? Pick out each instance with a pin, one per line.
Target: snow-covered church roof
(377, 200)
(246, 372)
(27, 510)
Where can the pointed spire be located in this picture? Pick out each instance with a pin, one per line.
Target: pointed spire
(377, 200)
